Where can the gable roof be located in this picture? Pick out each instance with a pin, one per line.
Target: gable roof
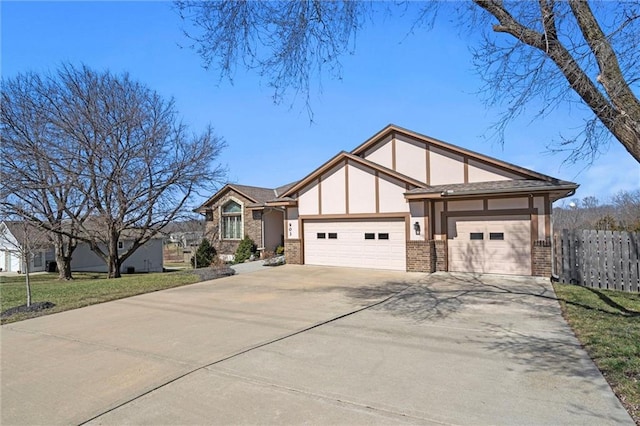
(27, 232)
(342, 156)
(256, 194)
(392, 129)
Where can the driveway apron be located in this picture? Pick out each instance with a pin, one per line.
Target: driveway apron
(301, 344)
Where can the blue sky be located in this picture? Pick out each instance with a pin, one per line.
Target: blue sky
(424, 82)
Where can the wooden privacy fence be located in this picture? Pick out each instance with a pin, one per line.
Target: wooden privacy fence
(598, 259)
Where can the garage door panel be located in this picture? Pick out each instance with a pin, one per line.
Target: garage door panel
(473, 248)
(351, 249)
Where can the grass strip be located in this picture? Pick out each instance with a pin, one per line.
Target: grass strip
(607, 323)
(85, 289)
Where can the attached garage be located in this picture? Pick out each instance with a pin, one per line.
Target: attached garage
(497, 245)
(377, 244)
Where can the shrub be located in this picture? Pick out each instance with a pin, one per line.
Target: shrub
(246, 248)
(205, 254)
(279, 250)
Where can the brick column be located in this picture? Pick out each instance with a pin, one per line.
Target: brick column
(293, 252)
(440, 249)
(420, 256)
(541, 258)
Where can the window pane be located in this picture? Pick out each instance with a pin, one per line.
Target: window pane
(236, 227)
(369, 236)
(333, 236)
(383, 236)
(232, 207)
(477, 236)
(496, 235)
(231, 227)
(321, 235)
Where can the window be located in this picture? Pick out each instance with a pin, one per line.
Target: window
(333, 236)
(120, 245)
(232, 221)
(321, 235)
(383, 236)
(369, 236)
(37, 260)
(496, 236)
(476, 236)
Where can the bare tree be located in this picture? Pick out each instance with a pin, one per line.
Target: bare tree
(559, 53)
(134, 165)
(34, 182)
(621, 213)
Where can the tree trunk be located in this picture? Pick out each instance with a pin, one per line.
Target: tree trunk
(64, 267)
(114, 259)
(27, 277)
(64, 250)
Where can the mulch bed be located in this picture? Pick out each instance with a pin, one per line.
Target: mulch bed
(212, 273)
(35, 307)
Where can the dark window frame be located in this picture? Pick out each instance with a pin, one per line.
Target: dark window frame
(476, 236)
(383, 235)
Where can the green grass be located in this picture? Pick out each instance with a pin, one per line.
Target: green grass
(607, 323)
(86, 289)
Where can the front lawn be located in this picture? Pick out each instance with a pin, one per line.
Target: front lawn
(85, 289)
(607, 323)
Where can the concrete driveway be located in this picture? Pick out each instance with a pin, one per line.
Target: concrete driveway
(303, 344)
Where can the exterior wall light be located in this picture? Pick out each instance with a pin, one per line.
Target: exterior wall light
(416, 227)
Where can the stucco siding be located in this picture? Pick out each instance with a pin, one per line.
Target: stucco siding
(465, 205)
(538, 203)
(391, 194)
(481, 172)
(308, 200)
(382, 153)
(292, 230)
(273, 229)
(411, 159)
(508, 203)
(362, 189)
(445, 167)
(333, 191)
(417, 214)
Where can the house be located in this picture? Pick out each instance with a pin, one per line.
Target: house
(17, 236)
(238, 210)
(405, 201)
(19, 239)
(147, 258)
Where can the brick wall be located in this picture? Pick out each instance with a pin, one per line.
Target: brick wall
(541, 258)
(440, 250)
(252, 225)
(293, 251)
(420, 256)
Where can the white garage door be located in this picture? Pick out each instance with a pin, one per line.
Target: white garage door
(378, 244)
(496, 245)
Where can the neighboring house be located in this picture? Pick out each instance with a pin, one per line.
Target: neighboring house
(147, 258)
(15, 240)
(236, 211)
(186, 238)
(13, 234)
(405, 201)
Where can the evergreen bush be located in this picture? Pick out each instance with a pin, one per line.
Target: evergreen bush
(204, 255)
(246, 248)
